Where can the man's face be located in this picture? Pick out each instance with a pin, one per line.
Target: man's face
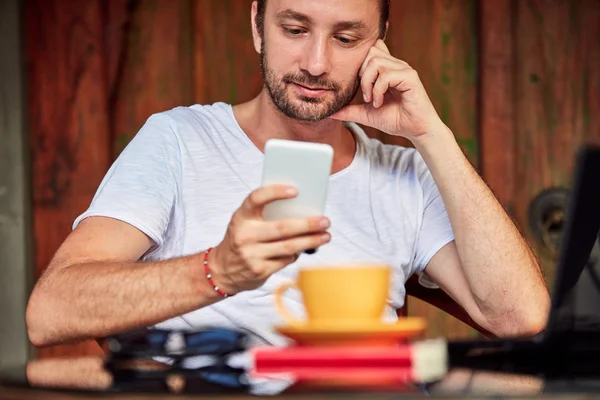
(312, 51)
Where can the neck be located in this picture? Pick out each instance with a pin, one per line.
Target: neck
(261, 120)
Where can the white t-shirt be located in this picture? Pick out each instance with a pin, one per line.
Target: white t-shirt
(188, 169)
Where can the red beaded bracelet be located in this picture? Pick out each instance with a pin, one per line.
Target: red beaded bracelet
(209, 275)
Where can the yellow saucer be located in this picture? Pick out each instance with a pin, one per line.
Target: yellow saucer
(352, 333)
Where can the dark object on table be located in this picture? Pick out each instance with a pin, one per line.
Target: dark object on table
(149, 358)
(161, 342)
(570, 344)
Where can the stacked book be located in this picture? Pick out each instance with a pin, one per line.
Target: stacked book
(399, 365)
(222, 361)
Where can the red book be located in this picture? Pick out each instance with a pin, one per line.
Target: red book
(421, 361)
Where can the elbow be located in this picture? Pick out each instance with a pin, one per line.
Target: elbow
(526, 325)
(38, 318)
(533, 316)
(515, 327)
(521, 321)
(537, 319)
(33, 320)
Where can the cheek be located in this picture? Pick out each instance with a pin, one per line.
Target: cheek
(283, 59)
(281, 50)
(346, 71)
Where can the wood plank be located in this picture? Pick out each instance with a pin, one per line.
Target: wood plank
(497, 135)
(557, 81)
(118, 23)
(226, 63)
(156, 72)
(438, 39)
(68, 122)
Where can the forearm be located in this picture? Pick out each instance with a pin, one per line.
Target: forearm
(84, 373)
(487, 383)
(501, 271)
(96, 299)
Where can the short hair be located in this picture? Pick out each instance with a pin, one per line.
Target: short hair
(384, 6)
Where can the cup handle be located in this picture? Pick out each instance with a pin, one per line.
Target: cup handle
(288, 317)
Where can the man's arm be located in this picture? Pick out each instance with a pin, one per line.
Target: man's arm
(94, 287)
(441, 300)
(489, 269)
(482, 384)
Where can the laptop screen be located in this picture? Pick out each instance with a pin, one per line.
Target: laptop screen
(576, 297)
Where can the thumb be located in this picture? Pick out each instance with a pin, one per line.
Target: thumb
(358, 113)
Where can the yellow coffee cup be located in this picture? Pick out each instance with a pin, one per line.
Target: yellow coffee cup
(339, 294)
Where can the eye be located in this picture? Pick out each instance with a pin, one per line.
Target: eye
(345, 40)
(294, 31)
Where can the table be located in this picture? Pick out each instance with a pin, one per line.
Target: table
(85, 378)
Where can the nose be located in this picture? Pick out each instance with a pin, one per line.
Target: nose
(316, 59)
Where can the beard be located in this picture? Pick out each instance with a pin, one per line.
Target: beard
(308, 109)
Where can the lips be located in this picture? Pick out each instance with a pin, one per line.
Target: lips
(310, 88)
(307, 91)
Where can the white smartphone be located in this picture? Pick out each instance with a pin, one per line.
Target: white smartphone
(304, 165)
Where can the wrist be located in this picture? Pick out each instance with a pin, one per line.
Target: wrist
(211, 266)
(202, 285)
(439, 139)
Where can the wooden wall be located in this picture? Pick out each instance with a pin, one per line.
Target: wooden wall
(517, 81)
(540, 98)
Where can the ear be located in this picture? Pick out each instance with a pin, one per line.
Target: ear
(256, 38)
(387, 28)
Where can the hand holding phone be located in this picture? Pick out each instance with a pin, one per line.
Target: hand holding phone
(274, 224)
(254, 249)
(303, 165)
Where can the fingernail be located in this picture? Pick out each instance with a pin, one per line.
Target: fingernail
(292, 191)
(325, 237)
(324, 223)
(365, 97)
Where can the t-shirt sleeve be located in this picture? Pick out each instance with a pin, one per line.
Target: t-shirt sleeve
(435, 230)
(141, 186)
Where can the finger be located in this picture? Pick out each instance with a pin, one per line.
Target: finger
(374, 53)
(275, 264)
(375, 67)
(401, 80)
(288, 228)
(379, 90)
(380, 44)
(285, 260)
(367, 81)
(293, 246)
(404, 63)
(380, 50)
(255, 202)
(359, 113)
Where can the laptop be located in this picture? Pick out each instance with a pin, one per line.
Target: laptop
(573, 329)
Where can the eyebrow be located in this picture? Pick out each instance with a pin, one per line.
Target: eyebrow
(344, 25)
(291, 14)
(350, 25)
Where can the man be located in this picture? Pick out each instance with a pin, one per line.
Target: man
(189, 182)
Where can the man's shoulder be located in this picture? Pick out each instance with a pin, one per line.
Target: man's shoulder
(197, 114)
(191, 124)
(181, 126)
